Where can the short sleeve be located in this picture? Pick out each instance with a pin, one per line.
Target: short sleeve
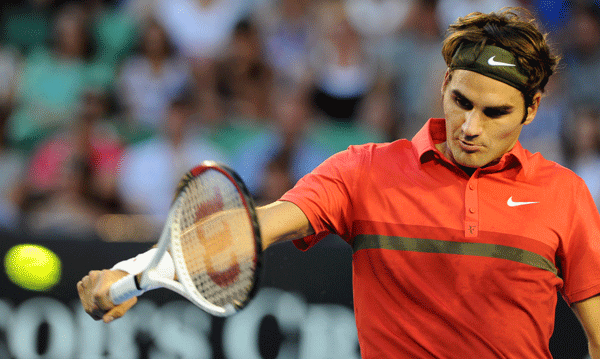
(325, 195)
(580, 255)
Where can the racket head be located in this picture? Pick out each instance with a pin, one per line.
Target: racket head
(215, 239)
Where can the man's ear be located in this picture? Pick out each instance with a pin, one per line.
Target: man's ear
(447, 78)
(533, 108)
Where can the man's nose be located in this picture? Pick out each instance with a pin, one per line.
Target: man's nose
(471, 127)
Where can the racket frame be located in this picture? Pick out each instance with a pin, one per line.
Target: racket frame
(134, 285)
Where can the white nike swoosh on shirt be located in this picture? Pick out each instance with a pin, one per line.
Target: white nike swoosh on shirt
(493, 62)
(512, 203)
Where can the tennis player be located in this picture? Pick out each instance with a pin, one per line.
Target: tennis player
(461, 237)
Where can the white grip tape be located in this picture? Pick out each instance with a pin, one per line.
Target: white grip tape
(164, 269)
(124, 289)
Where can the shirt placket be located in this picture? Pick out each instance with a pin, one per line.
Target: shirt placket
(472, 208)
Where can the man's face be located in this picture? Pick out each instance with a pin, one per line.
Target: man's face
(484, 118)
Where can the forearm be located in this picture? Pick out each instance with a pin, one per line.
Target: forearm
(279, 222)
(282, 221)
(594, 350)
(588, 313)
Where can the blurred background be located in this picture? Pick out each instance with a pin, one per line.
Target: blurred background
(104, 104)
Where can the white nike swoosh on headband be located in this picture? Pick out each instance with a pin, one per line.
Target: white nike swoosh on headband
(512, 203)
(493, 62)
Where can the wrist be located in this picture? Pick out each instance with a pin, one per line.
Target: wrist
(139, 263)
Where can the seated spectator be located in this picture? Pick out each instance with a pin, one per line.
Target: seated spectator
(289, 137)
(450, 10)
(138, 9)
(115, 31)
(53, 80)
(378, 114)
(12, 170)
(416, 85)
(246, 79)
(10, 65)
(552, 15)
(288, 32)
(582, 53)
(152, 78)
(201, 28)
(234, 95)
(151, 169)
(71, 178)
(582, 145)
(544, 133)
(33, 15)
(377, 18)
(342, 70)
(276, 179)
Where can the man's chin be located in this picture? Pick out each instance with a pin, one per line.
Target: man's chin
(468, 162)
(465, 159)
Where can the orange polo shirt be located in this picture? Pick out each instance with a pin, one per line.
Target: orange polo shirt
(447, 265)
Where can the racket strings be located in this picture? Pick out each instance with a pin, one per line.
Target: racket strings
(217, 239)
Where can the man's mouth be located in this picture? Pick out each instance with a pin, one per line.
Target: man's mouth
(469, 146)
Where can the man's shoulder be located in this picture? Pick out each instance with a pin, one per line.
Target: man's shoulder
(542, 168)
(394, 148)
(371, 155)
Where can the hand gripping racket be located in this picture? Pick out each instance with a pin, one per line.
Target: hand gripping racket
(213, 236)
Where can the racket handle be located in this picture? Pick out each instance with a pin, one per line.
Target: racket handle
(124, 289)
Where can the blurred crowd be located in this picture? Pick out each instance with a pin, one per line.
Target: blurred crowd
(105, 104)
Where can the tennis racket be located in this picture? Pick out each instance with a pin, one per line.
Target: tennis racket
(213, 236)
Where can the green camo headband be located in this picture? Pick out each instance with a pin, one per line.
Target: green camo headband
(490, 61)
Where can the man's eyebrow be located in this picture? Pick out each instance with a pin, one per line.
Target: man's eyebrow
(457, 93)
(500, 108)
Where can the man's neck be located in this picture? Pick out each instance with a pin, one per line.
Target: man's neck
(445, 152)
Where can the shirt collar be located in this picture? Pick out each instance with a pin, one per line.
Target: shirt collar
(434, 132)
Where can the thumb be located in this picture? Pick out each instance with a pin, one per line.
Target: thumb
(118, 311)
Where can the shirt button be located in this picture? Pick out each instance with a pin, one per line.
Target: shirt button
(471, 186)
(472, 210)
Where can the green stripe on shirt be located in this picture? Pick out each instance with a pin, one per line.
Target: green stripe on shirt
(372, 241)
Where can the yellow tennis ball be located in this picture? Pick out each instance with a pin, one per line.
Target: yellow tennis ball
(32, 267)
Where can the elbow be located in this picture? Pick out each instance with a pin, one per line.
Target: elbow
(594, 347)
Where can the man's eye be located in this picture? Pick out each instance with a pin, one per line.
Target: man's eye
(461, 102)
(494, 113)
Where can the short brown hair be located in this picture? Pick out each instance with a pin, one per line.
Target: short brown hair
(513, 29)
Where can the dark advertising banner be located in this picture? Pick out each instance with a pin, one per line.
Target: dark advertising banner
(302, 310)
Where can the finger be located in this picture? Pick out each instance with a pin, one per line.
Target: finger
(87, 301)
(84, 299)
(102, 301)
(80, 289)
(118, 311)
(92, 277)
(86, 281)
(93, 310)
(82, 296)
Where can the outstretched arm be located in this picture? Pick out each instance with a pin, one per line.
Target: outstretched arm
(588, 313)
(282, 221)
(279, 222)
